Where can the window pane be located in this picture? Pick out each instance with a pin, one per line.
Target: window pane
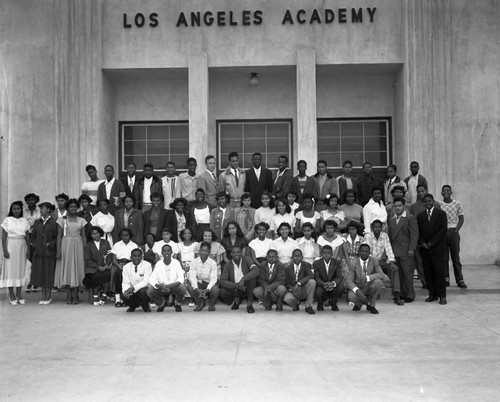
(355, 157)
(375, 129)
(158, 148)
(158, 161)
(330, 143)
(252, 145)
(179, 147)
(375, 144)
(278, 130)
(230, 145)
(158, 133)
(180, 161)
(134, 133)
(328, 130)
(332, 159)
(351, 129)
(277, 145)
(376, 158)
(231, 131)
(134, 147)
(179, 132)
(254, 131)
(139, 160)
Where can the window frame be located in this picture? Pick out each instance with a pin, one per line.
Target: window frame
(386, 119)
(121, 154)
(218, 123)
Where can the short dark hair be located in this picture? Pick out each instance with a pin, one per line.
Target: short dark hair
(256, 154)
(65, 197)
(166, 245)
(36, 197)
(397, 199)
(101, 232)
(165, 230)
(377, 189)
(232, 155)
(322, 161)
(191, 159)
(107, 166)
(129, 196)
(265, 225)
(377, 221)
(326, 247)
(85, 197)
(122, 230)
(364, 245)
(330, 222)
(132, 163)
(367, 163)
(285, 225)
(415, 163)
(348, 191)
(178, 200)
(156, 195)
(347, 161)
(208, 157)
(283, 157)
(90, 167)
(71, 201)
(442, 188)
(136, 250)
(148, 165)
(307, 225)
(301, 161)
(422, 185)
(429, 196)
(103, 200)
(397, 187)
(205, 244)
(393, 167)
(170, 163)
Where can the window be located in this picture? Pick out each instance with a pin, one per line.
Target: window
(270, 138)
(360, 140)
(154, 142)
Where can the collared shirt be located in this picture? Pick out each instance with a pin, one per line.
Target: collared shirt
(137, 280)
(271, 270)
(279, 174)
(412, 187)
(146, 194)
(167, 274)
(257, 172)
(336, 244)
(97, 244)
(186, 186)
(212, 174)
(352, 245)
(90, 188)
(309, 251)
(122, 250)
(131, 182)
(44, 220)
(380, 247)
(403, 215)
(285, 249)
(296, 270)
(263, 214)
(203, 272)
(453, 211)
(158, 246)
(32, 216)
(108, 185)
(278, 219)
(126, 216)
(261, 247)
(238, 273)
(373, 211)
(429, 213)
(168, 185)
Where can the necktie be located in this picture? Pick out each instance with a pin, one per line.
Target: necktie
(135, 268)
(172, 186)
(131, 185)
(429, 215)
(297, 269)
(248, 223)
(213, 177)
(271, 271)
(236, 177)
(364, 268)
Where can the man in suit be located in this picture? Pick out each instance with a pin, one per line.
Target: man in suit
(415, 180)
(325, 184)
(366, 183)
(303, 184)
(346, 181)
(403, 234)
(329, 280)
(365, 281)
(238, 281)
(145, 186)
(130, 180)
(222, 215)
(392, 181)
(111, 189)
(283, 179)
(156, 218)
(259, 179)
(232, 180)
(299, 282)
(135, 282)
(432, 226)
(131, 218)
(271, 283)
(207, 181)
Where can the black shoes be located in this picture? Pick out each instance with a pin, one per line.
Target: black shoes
(178, 308)
(160, 309)
(296, 307)
(279, 308)
(250, 309)
(397, 299)
(462, 285)
(320, 307)
(130, 309)
(408, 300)
(356, 308)
(235, 306)
(372, 309)
(309, 310)
(431, 299)
(335, 307)
(442, 301)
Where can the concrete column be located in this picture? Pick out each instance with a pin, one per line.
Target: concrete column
(306, 142)
(198, 107)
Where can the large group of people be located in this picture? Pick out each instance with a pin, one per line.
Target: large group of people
(243, 236)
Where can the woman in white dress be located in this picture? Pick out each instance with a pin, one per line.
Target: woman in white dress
(283, 214)
(15, 244)
(307, 214)
(104, 220)
(266, 211)
(332, 213)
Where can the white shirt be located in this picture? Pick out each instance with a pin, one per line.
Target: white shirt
(373, 211)
(203, 272)
(412, 188)
(257, 172)
(131, 180)
(238, 273)
(137, 280)
(309, 252)
(159, 245)
(108, 185)
(146, 194)
(278, 219)
(122, 250)
(168, 186)
(261, 247)
(97, 244)
(90, 188)
(399, 217)
(167, 274)
(285, 249)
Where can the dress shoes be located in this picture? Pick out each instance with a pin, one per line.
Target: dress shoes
(160, 309)
(268, 308)
(178, 308)
(335, 307)
(442, 301)
(279, 308)
(250, 309)
(462, 285)
(309, 310)
(130, 309)
(235, 306)
(431, 299)
(296, 307)
(408, 300)
(320, 307)
(356, 308)
(211, 308)
(398, 301)
(372, 310)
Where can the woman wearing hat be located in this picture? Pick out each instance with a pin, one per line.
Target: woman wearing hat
(44, 240)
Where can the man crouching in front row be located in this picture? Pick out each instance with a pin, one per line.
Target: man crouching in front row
(135, 281)
(364, 281)
(167, 280)
(300, 283)
(271, 282)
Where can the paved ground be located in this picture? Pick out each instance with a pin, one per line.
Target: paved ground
(419, 352)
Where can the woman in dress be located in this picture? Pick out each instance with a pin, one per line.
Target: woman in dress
(217, 251)
(353, 240)
(352, 211)
(233, 237)
(186, 248)
(71, 241)
(339, 248)
(307, 214)
(121, 255)
(86, 211)
(200, 215)
(266, 211)
(104, 220)
(15, 244)
(178, 218)
(332, 213)
(284, 244)
(259, 246)
(245, 216)
(44, 240)
(283, 214)
(97, 265)
(60, 211)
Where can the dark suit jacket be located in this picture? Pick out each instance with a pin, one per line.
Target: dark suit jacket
(321, 275)
(364, 187)
(149, 255)
(162, 222)
(342, 184)
(250, 271)
(209, 185)
(329, 187)
(171, 223)
(278, 277)
(139, 190)
(43, 234)
(355, 277)
(421, 181)
(128, 191)
(117, 190)
(135, 224)
(404, 235)
(95, 258)
(256, 187)
(283, 185)
(309, 187)
(433, 232)
(305, 274)
(215, 222)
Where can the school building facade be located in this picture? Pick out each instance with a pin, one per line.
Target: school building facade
(385, 81)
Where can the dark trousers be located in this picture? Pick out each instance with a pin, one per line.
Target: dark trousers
(139, 298)
(116, 280)
(213, 294)
(277, 295)
(453, 240)
(227, 296)
(419, 266)
(393, 276)
(98, 278)
(406, 268)
(322, 294)
(371, 290)
(435, 272)
(157, 296)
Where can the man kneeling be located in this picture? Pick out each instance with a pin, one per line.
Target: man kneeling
(203, 279)
(271, 282)
(364, 281)
(135, 278)
(167, 280)
(238, 281)
(299, 282)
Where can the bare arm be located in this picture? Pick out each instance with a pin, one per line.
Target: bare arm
(4, 244)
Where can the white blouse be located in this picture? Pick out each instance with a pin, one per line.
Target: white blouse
(16, 228)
